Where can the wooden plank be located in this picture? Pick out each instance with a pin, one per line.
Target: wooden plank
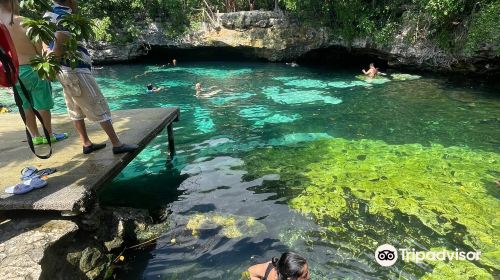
(71, 188)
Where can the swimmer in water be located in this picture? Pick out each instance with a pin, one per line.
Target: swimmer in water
(372, 72)
(152, 89)
(200, 92)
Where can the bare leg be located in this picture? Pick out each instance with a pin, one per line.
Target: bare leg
(107, 126)
(31, 122)
(82, 131)
(47, 120)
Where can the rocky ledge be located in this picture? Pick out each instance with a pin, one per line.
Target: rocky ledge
(275, 37)
(44, 246)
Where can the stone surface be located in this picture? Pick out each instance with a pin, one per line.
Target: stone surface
(72, 187)
(23, 243)
(275, 37)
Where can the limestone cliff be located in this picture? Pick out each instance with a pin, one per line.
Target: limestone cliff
(276, 37)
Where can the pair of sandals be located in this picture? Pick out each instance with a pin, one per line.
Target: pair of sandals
(31, 179)
(55, 137)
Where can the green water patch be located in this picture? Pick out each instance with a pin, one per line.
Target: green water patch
(378, 80)
(350, 84)
(307, 83)
(277, 118)
(228, 98)
(450, 191)
(203, 121)
(293, 96)
(404, 77)
(261, 115)
(255, 112)
(215, 73)
(175, 83)
(319, 84)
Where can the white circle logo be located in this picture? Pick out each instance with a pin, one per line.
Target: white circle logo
(386, 255)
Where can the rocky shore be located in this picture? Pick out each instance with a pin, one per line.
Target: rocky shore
(275, 37)
(48, 246)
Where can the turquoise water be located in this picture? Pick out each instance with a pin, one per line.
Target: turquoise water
(264, 107)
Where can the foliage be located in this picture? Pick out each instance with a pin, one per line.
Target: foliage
(445, 189)
(101, 29)
(39, 30)
(484, 29)
(46, 65)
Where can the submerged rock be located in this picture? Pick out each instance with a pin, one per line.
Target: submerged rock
(229, 226)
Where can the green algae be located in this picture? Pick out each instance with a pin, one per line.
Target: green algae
(231, 226)
(446, 189)
(378, 80)
(307, 83)
(404, 77)
(293, 96)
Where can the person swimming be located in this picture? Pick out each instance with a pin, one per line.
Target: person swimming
(292, 64)
(289, 266)
(200, 92)
(372, 72)
(152, 89)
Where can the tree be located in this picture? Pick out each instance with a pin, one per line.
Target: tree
(40, 30)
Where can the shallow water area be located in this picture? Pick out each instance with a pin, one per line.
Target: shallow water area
(313, 161)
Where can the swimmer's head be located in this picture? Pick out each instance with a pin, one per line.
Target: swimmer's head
(291, 266)
(372, 65)
(197, 86)
(150, 87)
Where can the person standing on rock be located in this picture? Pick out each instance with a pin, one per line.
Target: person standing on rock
(82, 94)
(40, 90)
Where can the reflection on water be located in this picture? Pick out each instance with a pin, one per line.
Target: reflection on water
(257, 167)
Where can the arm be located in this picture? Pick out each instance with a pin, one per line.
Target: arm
(59, 44)
(364, 71)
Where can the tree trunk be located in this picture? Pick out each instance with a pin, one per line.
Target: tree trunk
(276, 5)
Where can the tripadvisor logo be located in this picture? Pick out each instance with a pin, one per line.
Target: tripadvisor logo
(387, 255)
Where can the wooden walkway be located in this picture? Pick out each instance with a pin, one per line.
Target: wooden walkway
(72, 188)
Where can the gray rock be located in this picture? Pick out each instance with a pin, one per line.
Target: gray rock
(24, 242)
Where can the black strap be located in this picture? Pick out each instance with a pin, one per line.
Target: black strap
(8, 66)
(268, 271)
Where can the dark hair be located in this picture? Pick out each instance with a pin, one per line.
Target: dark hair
(289, 265)
(150, 87)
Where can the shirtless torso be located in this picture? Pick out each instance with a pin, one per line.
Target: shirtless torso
(24, 47)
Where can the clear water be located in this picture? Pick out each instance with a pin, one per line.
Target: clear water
(264, 107)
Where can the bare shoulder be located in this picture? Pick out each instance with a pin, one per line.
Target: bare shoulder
(257, 271)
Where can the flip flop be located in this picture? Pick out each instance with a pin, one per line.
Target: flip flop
(36, 183)
(56, 137)
(19, 189)
(31, 172)
(37, 140)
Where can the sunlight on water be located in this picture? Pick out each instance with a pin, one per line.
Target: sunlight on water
(319, 162)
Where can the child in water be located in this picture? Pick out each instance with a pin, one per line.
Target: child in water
(152, 89)
(288, 266)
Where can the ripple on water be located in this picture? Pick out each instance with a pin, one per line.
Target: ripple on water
(204, 123)
(293, 96)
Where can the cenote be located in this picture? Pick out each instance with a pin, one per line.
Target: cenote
(314, 161)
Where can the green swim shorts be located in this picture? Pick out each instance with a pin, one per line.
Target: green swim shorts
(40, 90)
